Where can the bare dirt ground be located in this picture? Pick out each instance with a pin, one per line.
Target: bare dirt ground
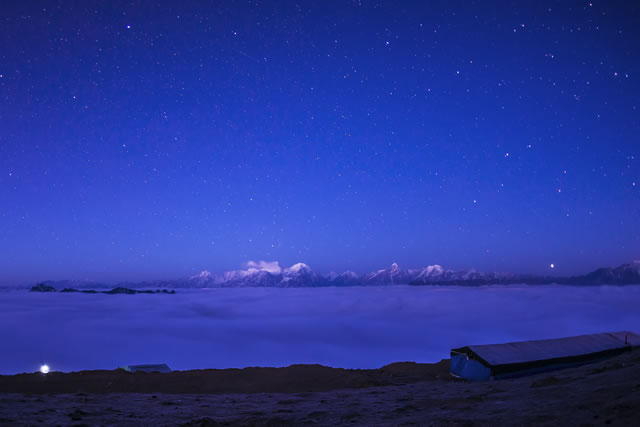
(604, 393)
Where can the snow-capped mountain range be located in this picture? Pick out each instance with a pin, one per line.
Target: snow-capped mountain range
(266, 275)
(271, 274)
(301, 275)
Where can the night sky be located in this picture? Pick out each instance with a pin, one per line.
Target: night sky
(155, 139)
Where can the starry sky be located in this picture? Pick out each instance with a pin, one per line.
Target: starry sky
(154, 139)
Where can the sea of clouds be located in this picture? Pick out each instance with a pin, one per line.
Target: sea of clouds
(342, 327)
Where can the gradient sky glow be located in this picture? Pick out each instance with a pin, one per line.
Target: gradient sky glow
(153, 139)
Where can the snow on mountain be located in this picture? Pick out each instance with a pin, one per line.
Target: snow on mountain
(251, 277)
(300, 267)
(430, 271)
(263, 274)
(300, 274)
(348, 278)
(392, 275)
(396, 275)
(204, 279)
(204, 275)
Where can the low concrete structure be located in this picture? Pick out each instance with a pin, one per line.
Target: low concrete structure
(162, 368)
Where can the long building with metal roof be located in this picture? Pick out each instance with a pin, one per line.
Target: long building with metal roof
(484, 362)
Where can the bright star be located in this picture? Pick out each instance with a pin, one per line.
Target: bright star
(44, 369)
(552, 266)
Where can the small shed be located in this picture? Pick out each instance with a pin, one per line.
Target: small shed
(162, 368)
(515, 359)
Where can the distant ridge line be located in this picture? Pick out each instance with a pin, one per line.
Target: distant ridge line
(270, 274)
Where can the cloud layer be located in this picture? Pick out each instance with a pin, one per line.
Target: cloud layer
(342, 327)
(270, 266)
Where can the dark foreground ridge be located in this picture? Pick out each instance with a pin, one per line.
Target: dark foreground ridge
(45, 288)
(602, 393)
(295, 378)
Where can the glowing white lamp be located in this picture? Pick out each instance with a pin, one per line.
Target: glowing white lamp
(44, 369)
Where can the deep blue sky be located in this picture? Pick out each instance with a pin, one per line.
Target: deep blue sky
(153, 139)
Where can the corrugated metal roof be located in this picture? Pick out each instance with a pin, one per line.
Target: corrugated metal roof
(529, 351)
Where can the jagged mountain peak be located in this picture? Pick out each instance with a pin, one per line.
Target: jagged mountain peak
(431, 270)
(299, 267)
(204, 274)
(347, 278)
(349, 273)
